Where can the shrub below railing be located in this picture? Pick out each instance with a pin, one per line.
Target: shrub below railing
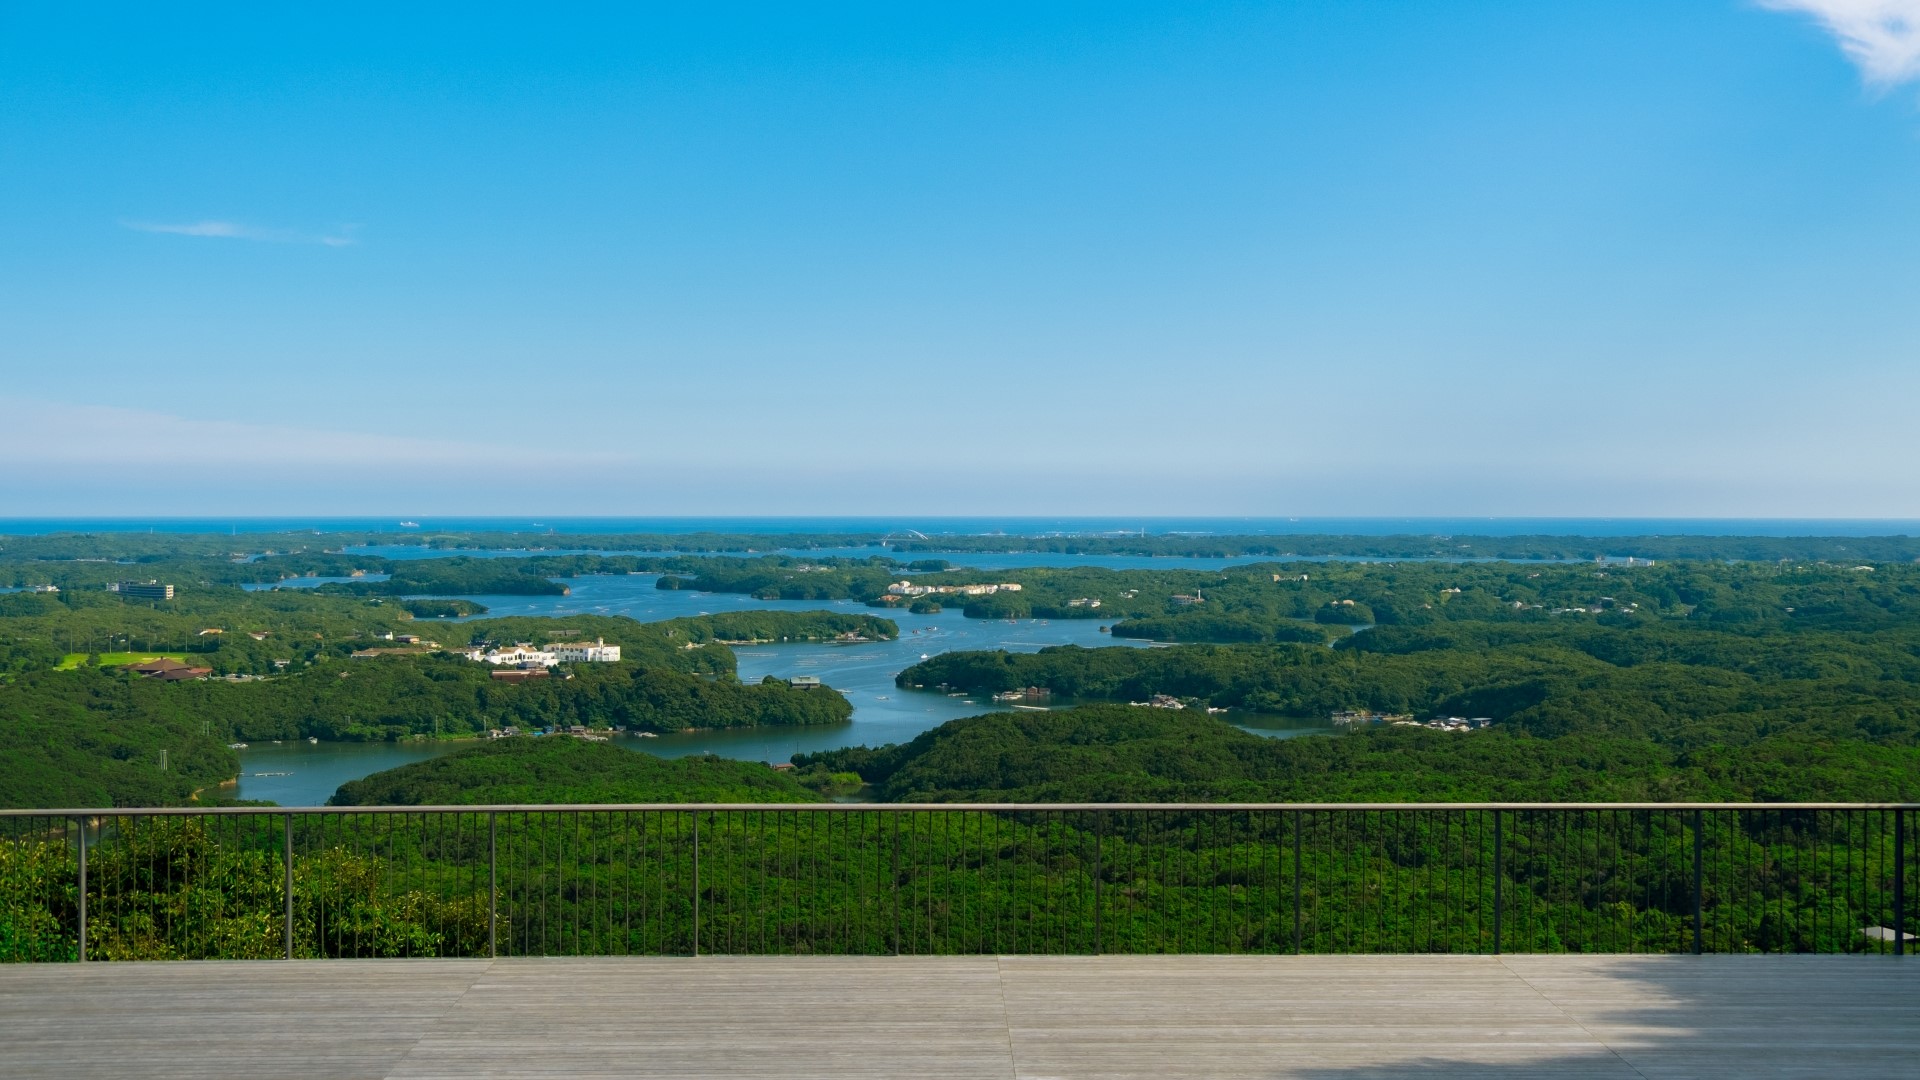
(870, 880)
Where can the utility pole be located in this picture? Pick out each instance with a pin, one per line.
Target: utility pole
(163, 761)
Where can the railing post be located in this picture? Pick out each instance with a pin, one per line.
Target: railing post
(696, 883)
(81, 824)
(1099, 829)
(1296, 883)
(1499, 878)
(286, 913)
(493, 884)
(1699, 820)
(1899, 883)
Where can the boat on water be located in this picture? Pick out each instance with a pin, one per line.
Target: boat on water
(645, 735)
(409, 524)
(311, 741)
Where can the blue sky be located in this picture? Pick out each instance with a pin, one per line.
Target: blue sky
(1286, 258)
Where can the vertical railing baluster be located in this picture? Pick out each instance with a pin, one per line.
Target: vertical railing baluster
(1296, 882)
(493, 884)
(1899, 882)
(286, 912)
(1699, 846)
(1499, 878)
(896, 883)
(696, 883)
(80, 836)
(1099, 830)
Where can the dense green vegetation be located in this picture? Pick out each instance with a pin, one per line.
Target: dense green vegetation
(442, 608)
(1114, 753)
(1762, 679)
(83, 737)
(1220, 627)
(565, 770)
(1586, 548)
(853, 880)
(70, 739)
(201, 889)
(94, 736)
(462, 575)
(1776, 679)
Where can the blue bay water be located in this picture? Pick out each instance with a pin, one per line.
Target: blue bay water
(299, 774)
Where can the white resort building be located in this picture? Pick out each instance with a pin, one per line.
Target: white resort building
(524, 655)
(596, 651)
(521, 655)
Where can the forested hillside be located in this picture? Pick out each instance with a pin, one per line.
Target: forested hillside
(565, 770)
(1114, 753)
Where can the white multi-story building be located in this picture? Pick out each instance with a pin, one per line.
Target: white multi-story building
(521, 655)
(596, 651)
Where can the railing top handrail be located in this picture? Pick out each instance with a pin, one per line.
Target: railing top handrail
(952, 807)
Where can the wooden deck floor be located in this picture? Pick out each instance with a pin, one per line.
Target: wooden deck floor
(1446, 1018)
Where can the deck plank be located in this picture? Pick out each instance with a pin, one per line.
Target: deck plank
(1031, 1018)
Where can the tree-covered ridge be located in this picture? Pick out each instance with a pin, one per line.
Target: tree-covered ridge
(83, 739)
(234, 632)
(1252, 602)
(1449, 547)
(1284, 600)
(1673, 685)
(94, 736)
(394, 697)
(564, 770)
(1110, 753)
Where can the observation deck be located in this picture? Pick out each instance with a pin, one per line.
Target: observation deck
(1026, 1017)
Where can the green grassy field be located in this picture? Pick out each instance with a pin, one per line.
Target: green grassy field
(115, 659)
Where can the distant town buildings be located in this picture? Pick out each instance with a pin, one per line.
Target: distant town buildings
(166, 669)
(908, 588)
(141, 590)
(523, 655)
(1030, 693)
(1160, 701)
(1356, 718)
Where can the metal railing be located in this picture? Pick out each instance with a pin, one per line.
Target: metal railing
(265, 882)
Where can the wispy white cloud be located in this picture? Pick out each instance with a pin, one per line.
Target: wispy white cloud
(1881, 37)
(344, 236)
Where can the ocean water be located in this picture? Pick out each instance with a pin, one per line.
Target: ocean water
(987, 525)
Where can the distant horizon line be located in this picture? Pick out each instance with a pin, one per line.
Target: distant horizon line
(527, 518)
(933, 527)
